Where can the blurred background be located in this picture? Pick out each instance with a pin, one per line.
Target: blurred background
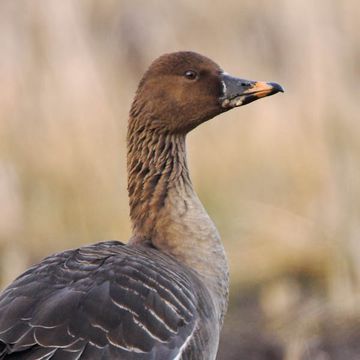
(279, 177)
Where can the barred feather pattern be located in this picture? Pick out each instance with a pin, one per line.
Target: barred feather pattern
(106, 301)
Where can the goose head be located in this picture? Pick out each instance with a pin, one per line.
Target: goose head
(181, 90)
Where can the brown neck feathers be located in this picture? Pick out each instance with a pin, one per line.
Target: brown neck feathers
(156, 164)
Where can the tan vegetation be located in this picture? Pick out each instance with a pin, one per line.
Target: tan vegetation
(281, 177)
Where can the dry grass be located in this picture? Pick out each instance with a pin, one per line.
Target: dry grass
(280, 177)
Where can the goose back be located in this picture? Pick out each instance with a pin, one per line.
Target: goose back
(106, 301)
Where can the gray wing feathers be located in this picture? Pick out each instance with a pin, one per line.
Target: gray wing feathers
(105, 301)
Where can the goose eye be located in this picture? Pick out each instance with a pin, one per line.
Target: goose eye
(191, 75)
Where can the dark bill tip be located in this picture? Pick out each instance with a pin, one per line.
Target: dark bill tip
(276, 87)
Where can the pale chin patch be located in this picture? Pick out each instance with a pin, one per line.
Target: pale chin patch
(238, 101)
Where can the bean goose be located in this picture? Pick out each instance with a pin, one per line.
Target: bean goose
(163, 295)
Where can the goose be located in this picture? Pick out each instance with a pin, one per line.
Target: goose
(164, 294)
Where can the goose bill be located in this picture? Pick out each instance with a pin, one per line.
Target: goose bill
(238, 92)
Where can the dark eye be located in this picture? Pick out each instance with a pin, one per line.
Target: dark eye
(191, 75)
